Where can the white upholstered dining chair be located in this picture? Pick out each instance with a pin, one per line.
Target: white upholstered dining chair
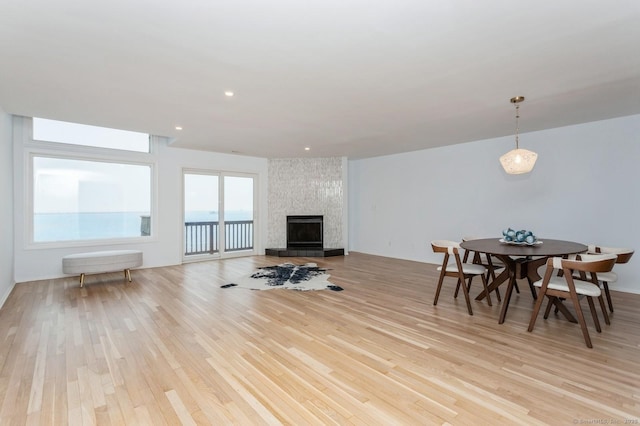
(464, 272)
(606, 278)
(569, 287)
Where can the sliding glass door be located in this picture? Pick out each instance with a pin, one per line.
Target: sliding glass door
(201, 219)
(238, 213)
(219, 214)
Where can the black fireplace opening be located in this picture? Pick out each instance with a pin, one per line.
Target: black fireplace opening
(304, 232)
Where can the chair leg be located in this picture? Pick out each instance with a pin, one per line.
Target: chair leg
(466, 297)
(469, 283)
(594, 314)
(604, 310)
(455, 294)
(516, 287)
(606, 292)
(536, 310)
(435, 300)
(532, 288)
(581, 321)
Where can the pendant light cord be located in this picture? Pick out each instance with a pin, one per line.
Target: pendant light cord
(517, 125)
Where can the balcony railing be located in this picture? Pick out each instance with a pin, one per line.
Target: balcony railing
(238, 235)
(200, 238)
(203, 237)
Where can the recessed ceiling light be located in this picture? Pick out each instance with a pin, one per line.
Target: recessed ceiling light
(178, 127)
(228, 93)
(306, 148)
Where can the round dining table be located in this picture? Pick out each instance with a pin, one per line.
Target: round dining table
(521, 261)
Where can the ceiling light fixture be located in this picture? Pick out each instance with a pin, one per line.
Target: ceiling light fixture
(518, 161)
(228, 93)
(178, 127)
(306, 148)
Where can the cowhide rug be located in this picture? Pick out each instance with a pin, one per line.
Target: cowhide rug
(287, 275)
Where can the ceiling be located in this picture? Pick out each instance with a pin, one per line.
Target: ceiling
(355, 78)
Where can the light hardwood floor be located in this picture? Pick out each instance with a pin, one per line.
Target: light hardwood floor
(175, 348)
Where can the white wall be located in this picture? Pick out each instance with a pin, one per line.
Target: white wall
(584, 188)
(6, 207)
(44, 263)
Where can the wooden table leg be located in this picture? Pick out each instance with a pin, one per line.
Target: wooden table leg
(563, 310)
(507, 297)
(504, 275)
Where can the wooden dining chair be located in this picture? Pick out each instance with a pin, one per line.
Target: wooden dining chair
(568, 287)
(493, 264)
(464, 272)
(606, 278)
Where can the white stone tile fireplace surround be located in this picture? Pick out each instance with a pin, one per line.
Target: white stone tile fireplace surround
(307, 186)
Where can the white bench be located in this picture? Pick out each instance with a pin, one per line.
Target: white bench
(101, 261)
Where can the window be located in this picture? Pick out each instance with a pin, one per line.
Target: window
(82, 134)
(77, 199)
(87, 184)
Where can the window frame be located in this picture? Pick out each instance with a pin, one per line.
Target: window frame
(36, 148)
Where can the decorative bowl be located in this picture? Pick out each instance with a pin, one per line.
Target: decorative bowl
(522, 237)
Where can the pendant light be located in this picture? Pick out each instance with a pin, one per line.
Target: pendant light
(518, 161)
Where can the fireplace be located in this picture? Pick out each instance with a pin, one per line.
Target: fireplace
(305, 238)
(304, 232)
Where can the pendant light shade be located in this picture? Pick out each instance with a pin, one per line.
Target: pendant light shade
(518, 161)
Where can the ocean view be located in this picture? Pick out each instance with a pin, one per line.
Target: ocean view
(88, 226)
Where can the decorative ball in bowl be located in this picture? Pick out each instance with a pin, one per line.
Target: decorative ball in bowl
(518, 237)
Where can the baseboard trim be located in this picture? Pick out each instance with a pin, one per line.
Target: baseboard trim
(6, 295)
